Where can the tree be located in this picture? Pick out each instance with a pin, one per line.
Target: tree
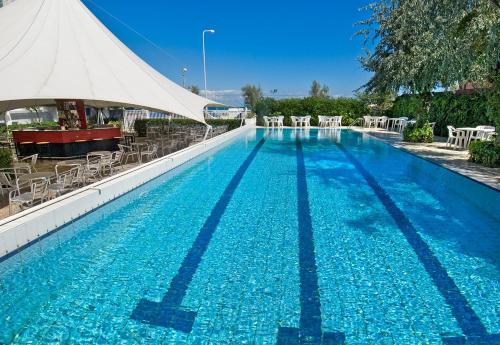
(424, 44)
(251, 95)
(194, 89)
(318, 91)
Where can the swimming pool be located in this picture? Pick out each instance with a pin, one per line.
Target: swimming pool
(280, 237)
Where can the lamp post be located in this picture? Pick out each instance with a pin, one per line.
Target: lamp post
(184, 71)
(204, 62)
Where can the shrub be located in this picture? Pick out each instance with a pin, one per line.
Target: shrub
(5, 158)
(407, 105)
(459, 110)
(140, 125)
(349, 108)
(485, 152)
(414, 133)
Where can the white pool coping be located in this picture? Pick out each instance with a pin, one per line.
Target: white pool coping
(21, 229)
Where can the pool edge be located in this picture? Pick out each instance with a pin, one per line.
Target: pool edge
(25, 228)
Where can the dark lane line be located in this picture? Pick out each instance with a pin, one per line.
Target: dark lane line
(310, 330)
(469, 322)
(169, 312)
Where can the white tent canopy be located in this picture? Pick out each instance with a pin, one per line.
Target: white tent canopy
(57, 49)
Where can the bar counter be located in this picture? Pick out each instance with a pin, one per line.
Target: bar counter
(65, 143)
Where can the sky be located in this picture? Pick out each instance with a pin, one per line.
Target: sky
(282, 45)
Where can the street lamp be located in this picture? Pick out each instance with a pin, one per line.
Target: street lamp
(204, 62)
(184, 71)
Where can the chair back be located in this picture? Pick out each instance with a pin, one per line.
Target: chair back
(39, 187)
(6, 179)
(451, 130)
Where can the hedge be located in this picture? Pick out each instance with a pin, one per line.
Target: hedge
(485, 152)
(458, 110)
(140, 125)
(349, 108)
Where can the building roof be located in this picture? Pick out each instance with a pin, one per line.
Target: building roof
(57, 49)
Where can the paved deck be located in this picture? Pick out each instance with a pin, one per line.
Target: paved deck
(437, 152)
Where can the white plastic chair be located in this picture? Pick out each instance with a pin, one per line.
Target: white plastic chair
(295, 121)
(452, 136)
(266, 121)
(38, 192)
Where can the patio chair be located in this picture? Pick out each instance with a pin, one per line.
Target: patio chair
(452, 136)
(307, 121)
(337, 121)
(266, 121)
(280, 121)
(7, 180)
(63, 184)
(322, 121)
(28, 162)
(92, 170)
(401, 123)
(128, 152)
(382, 121)
(37, 192)
(150, 152)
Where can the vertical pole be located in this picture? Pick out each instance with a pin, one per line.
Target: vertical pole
(204, 63)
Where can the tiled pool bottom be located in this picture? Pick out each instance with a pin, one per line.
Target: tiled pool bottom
(285, 237)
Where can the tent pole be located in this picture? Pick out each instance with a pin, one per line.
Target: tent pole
(209, 128)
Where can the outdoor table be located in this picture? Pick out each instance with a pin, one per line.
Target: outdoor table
(27, 177)
(99, 153)
(72, 162)
(465, 133)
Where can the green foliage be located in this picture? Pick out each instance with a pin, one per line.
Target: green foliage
(5, 158)
(464, 110)
(140, 125)
(421, 45)
(446, 108)
(407, 105)
(349, 108)
(252, 95)
(42, 125)
(485, 152)
(115, 123)
(415, 133)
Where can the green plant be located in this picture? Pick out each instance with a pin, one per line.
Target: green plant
(416, 133)
(348, 108)
(115, 123)
(5, 158)
(15, 127)
(485, 152)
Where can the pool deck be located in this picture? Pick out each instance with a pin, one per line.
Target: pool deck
(437, 152)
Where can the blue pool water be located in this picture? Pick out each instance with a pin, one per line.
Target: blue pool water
(281, 237)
